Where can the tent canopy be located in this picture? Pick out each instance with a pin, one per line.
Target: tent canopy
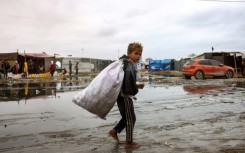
(39, 55)
(166, 61)
(158, 65)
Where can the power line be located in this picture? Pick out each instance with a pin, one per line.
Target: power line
(34, 18)
(223, 1)
(61, 20)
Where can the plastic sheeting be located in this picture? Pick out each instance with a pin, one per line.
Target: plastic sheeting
(159, 65)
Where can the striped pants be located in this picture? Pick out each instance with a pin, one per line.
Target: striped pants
(126, 108)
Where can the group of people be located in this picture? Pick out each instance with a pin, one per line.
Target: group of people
(33, 66)
(16, 68)
(6, 68)
(52, 68)
(75, 67)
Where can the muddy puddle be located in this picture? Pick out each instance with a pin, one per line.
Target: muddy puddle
(173, 115)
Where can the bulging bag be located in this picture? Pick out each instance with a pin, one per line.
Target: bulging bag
(101, 94)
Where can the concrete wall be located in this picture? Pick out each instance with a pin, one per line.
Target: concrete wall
(85, 64)
(82, 66)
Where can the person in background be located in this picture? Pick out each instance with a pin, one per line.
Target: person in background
(76, 68)
(70, 67)
(26, 69)
(21, 67)
(5, 66)
(35, 67)
(17, 67)
(243, 67)
(128, 91)
(31, 66)
(51, 68)
(8, 68)
(41, 69)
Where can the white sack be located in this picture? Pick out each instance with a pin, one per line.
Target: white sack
(101, 94)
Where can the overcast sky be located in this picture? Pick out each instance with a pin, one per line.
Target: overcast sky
(104, 28)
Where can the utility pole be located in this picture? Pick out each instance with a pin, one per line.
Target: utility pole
(212, 51)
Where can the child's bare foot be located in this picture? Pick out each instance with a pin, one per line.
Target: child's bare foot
(131, 145)
(113, 134)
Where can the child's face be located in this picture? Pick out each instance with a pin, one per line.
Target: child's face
(135, 55)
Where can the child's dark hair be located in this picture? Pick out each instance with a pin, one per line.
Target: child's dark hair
(134, 45)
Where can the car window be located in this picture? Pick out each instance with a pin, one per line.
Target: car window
(204, 62)
(215, 63)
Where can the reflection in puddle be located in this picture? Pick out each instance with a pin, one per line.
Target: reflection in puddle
(213, 86)
(20, 91)
(199, 89)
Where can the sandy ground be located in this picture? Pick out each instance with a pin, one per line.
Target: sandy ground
(173, 115)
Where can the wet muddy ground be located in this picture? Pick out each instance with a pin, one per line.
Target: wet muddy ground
(173, 115)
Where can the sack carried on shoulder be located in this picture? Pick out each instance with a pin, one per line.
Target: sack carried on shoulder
(101, 94)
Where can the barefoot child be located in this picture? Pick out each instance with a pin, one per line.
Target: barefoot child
(124, 100)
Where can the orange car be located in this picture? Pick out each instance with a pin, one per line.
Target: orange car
(200, 68)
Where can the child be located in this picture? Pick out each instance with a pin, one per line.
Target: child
(124, 100)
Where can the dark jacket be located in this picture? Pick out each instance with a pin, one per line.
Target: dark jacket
(129, 86)
(5, 66)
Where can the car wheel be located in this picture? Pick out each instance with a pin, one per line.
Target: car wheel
(187, 76)
(229, 74)
(199, 74)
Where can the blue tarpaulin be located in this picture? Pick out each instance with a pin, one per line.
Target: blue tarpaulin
(159, 65)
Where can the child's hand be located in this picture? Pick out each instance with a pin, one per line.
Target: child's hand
(140, 86)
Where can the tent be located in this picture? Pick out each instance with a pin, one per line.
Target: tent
(34, 60)
(160, 65)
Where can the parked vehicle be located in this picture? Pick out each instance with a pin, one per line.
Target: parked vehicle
(200, 68)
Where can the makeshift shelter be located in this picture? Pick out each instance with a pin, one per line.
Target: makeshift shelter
(10, 57)
(178, 65)
(34, 60)
(160, 65)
